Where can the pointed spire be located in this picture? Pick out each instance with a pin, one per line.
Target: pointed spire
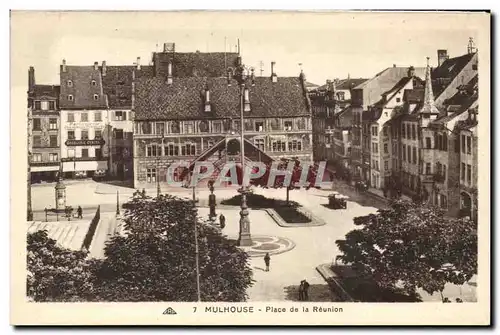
(429, 106)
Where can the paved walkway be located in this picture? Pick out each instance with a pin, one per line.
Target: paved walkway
(105, 230)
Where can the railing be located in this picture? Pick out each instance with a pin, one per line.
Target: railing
(92, 228)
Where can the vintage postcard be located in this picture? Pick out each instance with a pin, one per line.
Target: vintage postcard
(250, 168)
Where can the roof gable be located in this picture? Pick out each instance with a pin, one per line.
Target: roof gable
(84, 85)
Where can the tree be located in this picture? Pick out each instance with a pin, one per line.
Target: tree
(411, 246)
(279, 181)
(156, 260)
(54, 273)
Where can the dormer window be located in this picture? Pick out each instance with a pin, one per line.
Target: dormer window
(93, 82)
(70, 97)
(70, 83)
(96, 96)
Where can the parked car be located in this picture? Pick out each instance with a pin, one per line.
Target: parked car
(99, 175)
(81, 174)
(337, 201)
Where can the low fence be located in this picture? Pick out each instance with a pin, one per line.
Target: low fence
(92, 228)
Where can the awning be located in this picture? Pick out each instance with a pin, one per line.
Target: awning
(45, 168)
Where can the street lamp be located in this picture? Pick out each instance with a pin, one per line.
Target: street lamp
(197, 249)
(244, 237)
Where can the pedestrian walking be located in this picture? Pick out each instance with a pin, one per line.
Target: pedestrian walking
(267, 259)
(222, 220)
(80, 212)
(306, 290)
(301, 291)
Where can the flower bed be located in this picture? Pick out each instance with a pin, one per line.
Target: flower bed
(257, 201)
(291, 214)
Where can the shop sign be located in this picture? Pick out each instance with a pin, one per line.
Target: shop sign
(74, 143)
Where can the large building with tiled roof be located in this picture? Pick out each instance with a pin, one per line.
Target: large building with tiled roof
(43, 105)
(197, 117)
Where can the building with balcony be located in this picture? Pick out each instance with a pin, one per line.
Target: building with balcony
(197, 117)
(43, 105)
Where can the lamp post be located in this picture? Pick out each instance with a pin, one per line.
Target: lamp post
(244, 237)
(197, 250)
(117, 203)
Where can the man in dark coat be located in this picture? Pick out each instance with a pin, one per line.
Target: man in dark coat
(267, 259)
(80, 212)
(301, 291)
(306, 290)
(222, 220)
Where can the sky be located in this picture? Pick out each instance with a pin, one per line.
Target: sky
(328, 45)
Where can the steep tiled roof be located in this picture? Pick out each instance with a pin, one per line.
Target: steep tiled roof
(444, 74)
(117, 83)
(464, 92)
(81, 88)
(184, 98)
(194, 64)
(46, 90)
(463, 108)
(345, 84)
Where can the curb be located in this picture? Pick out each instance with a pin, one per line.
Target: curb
(316, 222)
(335, 287)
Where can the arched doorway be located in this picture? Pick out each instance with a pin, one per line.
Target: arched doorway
(465, 205)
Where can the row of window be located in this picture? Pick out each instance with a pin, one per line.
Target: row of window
(170, 149)
(72, 98)
(37, 141)
(466, 144)
(409, 131)
(189, 127)
(84, 117)
(466, 173)
(38, 157)
(69, 83)
(37, 124)
(44, 105)
(153, 174)
(409, 154)
(85, 153)
(84, 134)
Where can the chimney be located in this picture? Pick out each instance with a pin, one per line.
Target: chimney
(274, 77)
(207, 100)
(138, 63)
(31, 79)
(442, 56)
(133, 89)
(411, 72)
(246, 100)
(169, 73)
(165, 48)
(252, 76)
(96, 66)
(63, 66)
(393, 65)
(103, 68)
(329, 86)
